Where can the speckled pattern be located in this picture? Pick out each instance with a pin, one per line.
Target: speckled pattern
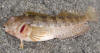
(87, 43)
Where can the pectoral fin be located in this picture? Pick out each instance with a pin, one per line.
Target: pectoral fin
(38, 33)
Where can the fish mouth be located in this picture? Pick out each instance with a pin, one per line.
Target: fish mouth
(4, 27)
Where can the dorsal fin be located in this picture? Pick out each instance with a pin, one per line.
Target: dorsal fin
(76, 17)
(34, 14)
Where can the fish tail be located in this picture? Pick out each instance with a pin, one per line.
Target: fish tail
(91, 14)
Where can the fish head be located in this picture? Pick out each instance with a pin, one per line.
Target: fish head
(14, 26)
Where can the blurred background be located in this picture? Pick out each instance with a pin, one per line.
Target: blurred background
(87, 43)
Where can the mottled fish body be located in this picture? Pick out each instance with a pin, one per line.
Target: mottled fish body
(34, 26)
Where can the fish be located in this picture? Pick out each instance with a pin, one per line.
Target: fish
(33, 26)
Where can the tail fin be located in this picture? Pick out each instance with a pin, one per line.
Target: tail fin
(91, 14)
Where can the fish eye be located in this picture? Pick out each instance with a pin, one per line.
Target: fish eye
(3, 26)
